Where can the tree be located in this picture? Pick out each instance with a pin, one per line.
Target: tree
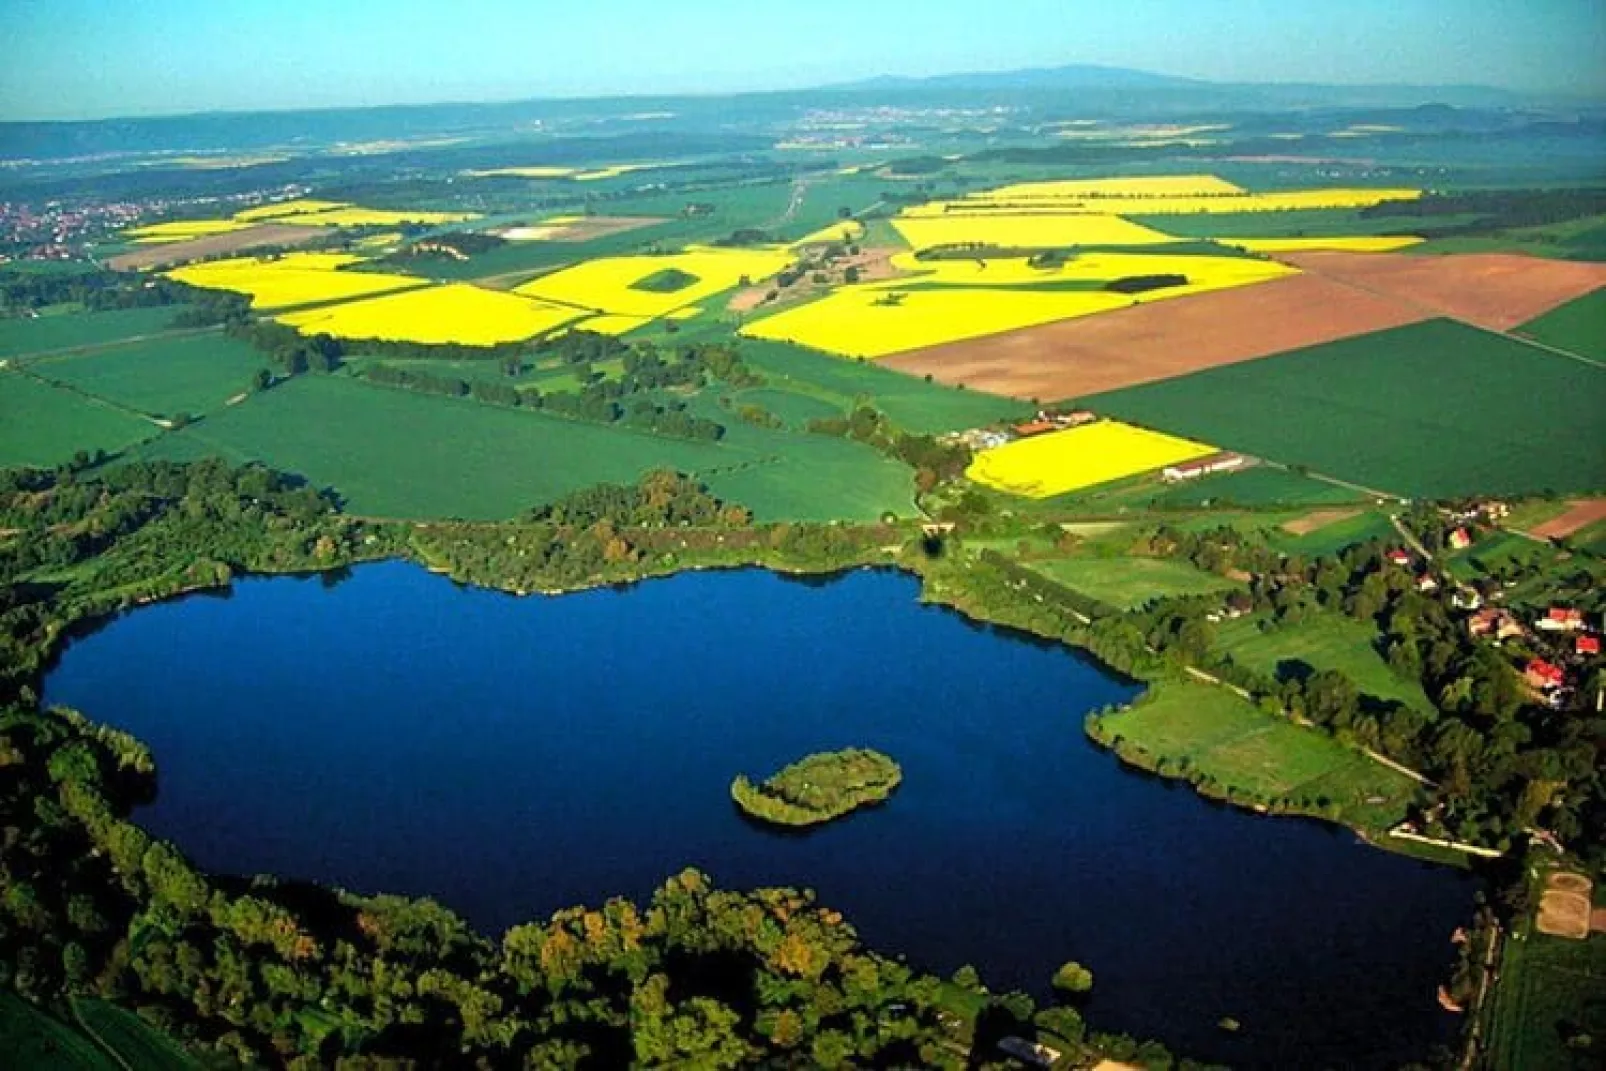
(1073, 978)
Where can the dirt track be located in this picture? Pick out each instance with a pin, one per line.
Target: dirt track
(1146, 343)
(268, 234)
(1499, 291)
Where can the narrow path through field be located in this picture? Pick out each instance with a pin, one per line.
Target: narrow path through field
(1409, 537)
(97, 347)
(89, 1032)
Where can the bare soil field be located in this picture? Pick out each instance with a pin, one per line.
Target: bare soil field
(1564, 906)
(1147, 343)
(601, 227)
(1316, 520)
(1499, 291)
(161, 256)
(1579, 515)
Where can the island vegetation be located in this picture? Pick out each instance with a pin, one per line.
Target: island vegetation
(819, 788)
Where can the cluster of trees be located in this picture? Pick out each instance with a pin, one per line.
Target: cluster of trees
(819, 788)
(146, 530)
(443, 246)
(95, 290)
(1498, 209)
(1142, 284)
(934, 461)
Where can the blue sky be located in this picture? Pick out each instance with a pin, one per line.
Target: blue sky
(87, 58)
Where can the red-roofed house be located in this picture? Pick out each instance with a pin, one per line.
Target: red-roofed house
(1398, 556)
(1587, 645)
(1561, 619)
(1460, 539)
(1541, 674)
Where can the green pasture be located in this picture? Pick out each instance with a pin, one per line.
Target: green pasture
(1128, 582)
(43, 426)
(192, 374)
(1322, 641)
(1577, 327)
(22, 337)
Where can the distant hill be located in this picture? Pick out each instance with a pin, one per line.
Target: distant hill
(1073, 76)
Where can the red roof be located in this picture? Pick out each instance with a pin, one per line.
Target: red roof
(1588, 645)
(1565, 616)
(1540, 670)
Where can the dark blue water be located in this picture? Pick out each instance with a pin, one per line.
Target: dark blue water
(395, 732)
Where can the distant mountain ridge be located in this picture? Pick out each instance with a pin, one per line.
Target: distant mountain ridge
(1071, 76)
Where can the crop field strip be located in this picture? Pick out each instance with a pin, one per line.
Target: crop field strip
(293, 279)
(44, 425)
(1503, 417)
(1062, 461)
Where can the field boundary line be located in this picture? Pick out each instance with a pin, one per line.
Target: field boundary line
(67, 352)
(93, 399)
(89, 1031)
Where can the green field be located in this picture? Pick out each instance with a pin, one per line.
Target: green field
(912, 403)
(1332, 538)
(1550, 988)
(194, 374)
(35, 1041)
(141, 1046)
(1577, 239)
(43, 426)
(395, 453)
(1578, 326)
(1432, 410)
(1225, 738)
(22, 337)
(1127, 582)
(1263, 485)
(790, 406)
(1321, 641)
(1305, 223)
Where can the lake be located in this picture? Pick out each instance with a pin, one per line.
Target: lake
(389, 730)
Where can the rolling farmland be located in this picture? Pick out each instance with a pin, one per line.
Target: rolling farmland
(1499, 416)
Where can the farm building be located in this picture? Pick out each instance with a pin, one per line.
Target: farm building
(1561, 619)
(1035, 427)
(1587, 645)
(1543, 675)
(1460, 539)
(1205, 466)
(1492, 622)
(1398, 556)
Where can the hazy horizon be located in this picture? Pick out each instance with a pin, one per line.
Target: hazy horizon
(90, 59)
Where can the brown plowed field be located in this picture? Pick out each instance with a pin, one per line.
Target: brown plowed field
(160, 256)
(1146, 343)
(1579, 515)
(1499, 291)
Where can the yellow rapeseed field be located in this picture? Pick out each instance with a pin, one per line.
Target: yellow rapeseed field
(945, 301)
(298, 207)
(1350, 244)
(866, 322)
(1063, 461)
(612, 325)
(1025, 230)
(372, 217)
(179, 230)
(293, 279)
(607, 285)
(458, 313)
(542, 171)
(1137, 186)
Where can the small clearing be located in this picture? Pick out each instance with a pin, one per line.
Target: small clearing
(1316, 520)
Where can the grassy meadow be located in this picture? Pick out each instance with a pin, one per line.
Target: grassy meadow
(42, 425)
(1577, 327)
(1322, 641)
(1128, 582)
(193, 374)
(1208, 732)
(21, 338)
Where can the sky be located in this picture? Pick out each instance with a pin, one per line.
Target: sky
(71, 59)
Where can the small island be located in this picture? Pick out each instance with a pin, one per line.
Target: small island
(819, 788)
